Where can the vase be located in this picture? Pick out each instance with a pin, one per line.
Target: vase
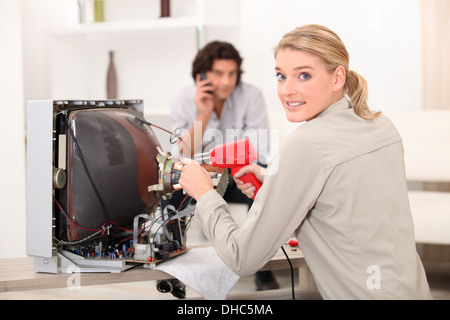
(99, 11)
(111, 78)
(81, 11)
(165, 8)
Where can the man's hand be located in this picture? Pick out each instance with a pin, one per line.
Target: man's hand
(247, 188)
(195, 180)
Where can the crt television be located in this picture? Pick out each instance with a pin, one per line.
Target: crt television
(89, 166)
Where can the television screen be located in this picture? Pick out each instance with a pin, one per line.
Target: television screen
(110, 160)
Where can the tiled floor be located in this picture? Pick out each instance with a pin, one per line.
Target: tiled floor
(146, 290)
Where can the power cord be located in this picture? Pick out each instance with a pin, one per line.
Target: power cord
(292, 273)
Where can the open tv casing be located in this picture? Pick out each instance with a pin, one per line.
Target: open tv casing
(40, 220)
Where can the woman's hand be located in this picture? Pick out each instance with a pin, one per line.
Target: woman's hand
(194, 179)
(247, 188)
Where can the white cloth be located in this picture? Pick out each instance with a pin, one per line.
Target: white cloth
(202, 270)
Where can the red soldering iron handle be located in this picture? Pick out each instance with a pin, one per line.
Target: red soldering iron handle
(249, 177)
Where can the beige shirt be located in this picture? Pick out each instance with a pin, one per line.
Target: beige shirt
(339, 186)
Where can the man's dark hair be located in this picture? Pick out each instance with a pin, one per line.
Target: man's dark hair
(212, 51)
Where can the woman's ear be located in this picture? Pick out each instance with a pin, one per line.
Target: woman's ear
(339, 78)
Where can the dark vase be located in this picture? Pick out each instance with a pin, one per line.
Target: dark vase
(165, 8)
(111, 78)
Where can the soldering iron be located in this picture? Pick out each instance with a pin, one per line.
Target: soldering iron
(233, 155)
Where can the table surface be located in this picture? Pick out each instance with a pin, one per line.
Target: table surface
(17, 274)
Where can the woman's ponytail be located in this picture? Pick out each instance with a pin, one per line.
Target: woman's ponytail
(357, 91)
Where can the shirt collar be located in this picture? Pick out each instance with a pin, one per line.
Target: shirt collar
(342, 104)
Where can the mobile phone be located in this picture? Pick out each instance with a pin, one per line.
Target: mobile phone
(203, 77)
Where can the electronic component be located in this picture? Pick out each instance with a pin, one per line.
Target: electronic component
(103, 156)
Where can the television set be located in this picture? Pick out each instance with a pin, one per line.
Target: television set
(95, 172)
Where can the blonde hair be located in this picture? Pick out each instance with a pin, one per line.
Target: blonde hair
(327, 45)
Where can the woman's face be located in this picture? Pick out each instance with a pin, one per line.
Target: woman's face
(305, 87)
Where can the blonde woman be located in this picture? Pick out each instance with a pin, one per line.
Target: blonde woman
(339, 184)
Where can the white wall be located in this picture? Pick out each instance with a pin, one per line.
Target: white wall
(40, 18)
(137, 56)
(12, 133)
(382, 37)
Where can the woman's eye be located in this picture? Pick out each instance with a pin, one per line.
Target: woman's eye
(280, 77)
(304, 76)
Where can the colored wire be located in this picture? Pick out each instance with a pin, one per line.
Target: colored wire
(181, 204)
(175, 134)
(160, 128)
(68, 219)
(122, 228)
(102, 230)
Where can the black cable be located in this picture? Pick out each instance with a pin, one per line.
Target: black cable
(108, 221)
(161, 225)
(292, 273)
(86, 169)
